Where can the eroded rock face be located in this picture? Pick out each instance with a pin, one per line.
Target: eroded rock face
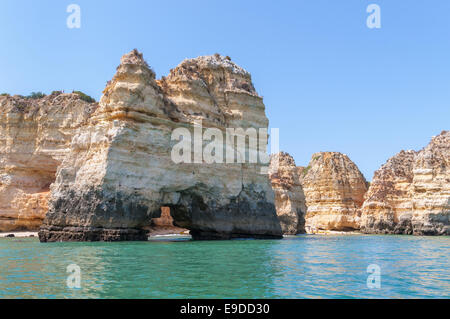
(289, 197)
(119, 171)
(35, 136)
(410, 194)
(385, 200)
(334, 189)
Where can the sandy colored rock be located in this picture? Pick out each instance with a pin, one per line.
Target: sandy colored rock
(334, 189)
(385, 204)
(410, 194)
(164, 225)
(165, 220)
(35, 136)
(119, 171)
(289, 197)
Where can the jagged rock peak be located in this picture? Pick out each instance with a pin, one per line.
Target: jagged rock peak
(284, 171)
(437, 151)
(215, 71)
(215, 61)
(134, 57)
(284, 159)
(398, 168)
(410, 194)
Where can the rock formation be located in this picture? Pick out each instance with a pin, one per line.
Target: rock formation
(165, 225)
(289, 197)
(103, 171)
(35, 136)
(410, 194)
(165, 220)
(387, 193)
(120, 171)
(334, 189)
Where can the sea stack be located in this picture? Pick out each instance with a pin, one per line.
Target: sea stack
(119, 171)
(35, 136)
(410, 194)
(334, 189)
(289, 197)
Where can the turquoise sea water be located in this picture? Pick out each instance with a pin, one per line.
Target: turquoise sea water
(307, 266)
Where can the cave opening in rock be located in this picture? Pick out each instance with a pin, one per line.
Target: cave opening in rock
(165, 224)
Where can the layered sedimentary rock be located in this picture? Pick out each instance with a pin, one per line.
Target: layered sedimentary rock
(410, 194)
(289, 197)
(388, 198)
(334, 189)
(121, 170)
(35, 136)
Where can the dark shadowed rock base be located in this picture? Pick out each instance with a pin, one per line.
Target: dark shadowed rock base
(406, 227)
(55, 234)
(249, 215)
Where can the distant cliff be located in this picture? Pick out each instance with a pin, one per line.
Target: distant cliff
(289, 197)
(35, 136)
(410, 194)
(334, 189)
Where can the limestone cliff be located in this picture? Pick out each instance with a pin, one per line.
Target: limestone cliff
(35, 136)
(385, 200)
(120, 171)
(334, 189)
(410, 194)
(289, 197)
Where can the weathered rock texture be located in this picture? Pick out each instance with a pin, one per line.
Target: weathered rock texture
(334, 189)
(119, 171)
(35, 136)
(410, 194)
(388, 196)
(289, 197)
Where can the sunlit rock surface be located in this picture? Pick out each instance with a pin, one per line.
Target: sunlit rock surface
(35, 136)
(119, 171)
(410, 194)
(334, 189)
(289, 197)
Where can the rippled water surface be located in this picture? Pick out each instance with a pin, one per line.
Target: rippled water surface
(309, 266)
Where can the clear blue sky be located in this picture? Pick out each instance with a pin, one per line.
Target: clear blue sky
(329, 82)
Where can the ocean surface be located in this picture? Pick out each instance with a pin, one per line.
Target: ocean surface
(306, 266)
